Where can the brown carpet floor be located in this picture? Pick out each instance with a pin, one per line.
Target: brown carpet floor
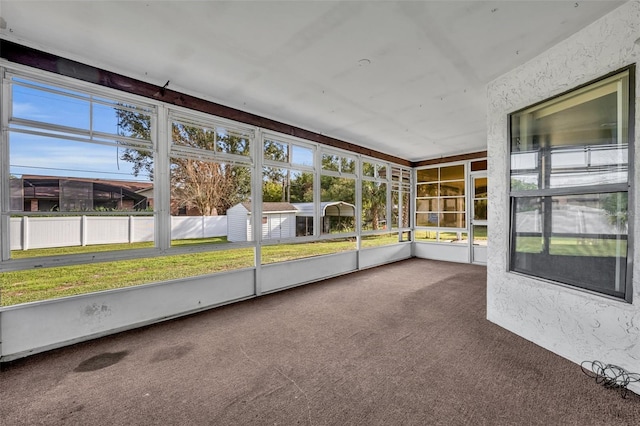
(403, 344)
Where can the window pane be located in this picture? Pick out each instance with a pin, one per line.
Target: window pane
(428, 190)
(426, 219)
(524, 182)
(230, 142)
(53, 108)
(428, 175)
(428, 205)
(453, 220)
(480, 209)
(586, 244)
(121, 119)
(588, 165)
(338, 163)
(105, 190)
(338, 204)
(330, 162)
(452, 172)
(368, 169)
(452, 204)
(395, 209)
(201, 194)
(55, 175)
(197, 137)
(480, 188)
(287, 206)
(452, 188)
(400, 209)
(302, 156)
(406, 209)
(579, 139)
(431, 236)
(287, 185)
(452, 237)
(276, 151)
(374, 205)
(480, 235)
(347, 165)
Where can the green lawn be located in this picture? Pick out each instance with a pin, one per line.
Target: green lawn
(58, 251)
(444, 236)
(562, 246)
(283, 252)
(49, 283)
(378, 240)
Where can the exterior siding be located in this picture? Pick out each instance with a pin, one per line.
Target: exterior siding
(575, 324)
(237, 224)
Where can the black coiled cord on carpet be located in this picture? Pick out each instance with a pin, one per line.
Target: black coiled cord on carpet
(610, 376)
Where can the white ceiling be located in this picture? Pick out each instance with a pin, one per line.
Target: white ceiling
(405, 78)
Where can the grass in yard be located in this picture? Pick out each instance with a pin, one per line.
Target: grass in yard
(59, 251)
(283, 252)
(48, 283)
(561, 246)
(445, 237)
(379, 240)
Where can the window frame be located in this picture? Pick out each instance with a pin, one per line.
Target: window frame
(549, 191)
(441, 229)
(357, 182)
(162, 149)
(44, 81)
(378, 178)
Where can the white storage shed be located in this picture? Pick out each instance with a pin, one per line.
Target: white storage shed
(278, 221)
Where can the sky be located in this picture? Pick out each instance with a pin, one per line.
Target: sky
(60, 156)
(52, 156)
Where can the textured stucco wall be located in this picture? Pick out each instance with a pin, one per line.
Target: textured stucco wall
(572, 323)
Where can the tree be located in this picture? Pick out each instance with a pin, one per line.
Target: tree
(335, 188)
(374, 198)
(271, 191)
(136, 125)
(206, 185)
(301, 190)
(374, 204)
(616, 207)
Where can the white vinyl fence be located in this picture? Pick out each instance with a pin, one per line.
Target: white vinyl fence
(45, 232)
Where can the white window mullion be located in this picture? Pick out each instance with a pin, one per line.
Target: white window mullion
(257, 148)
(5, 193)
(161, 128)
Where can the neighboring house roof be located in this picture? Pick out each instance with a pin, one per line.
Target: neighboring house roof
(48, 187)
(133, 186)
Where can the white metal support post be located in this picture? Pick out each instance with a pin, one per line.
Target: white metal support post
(358, 218)
(5, 247)
(318, 219)
(5, 108)
(257, 147)
(162, 178)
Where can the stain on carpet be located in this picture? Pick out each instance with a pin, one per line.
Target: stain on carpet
(172, 353)
(101, 361)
